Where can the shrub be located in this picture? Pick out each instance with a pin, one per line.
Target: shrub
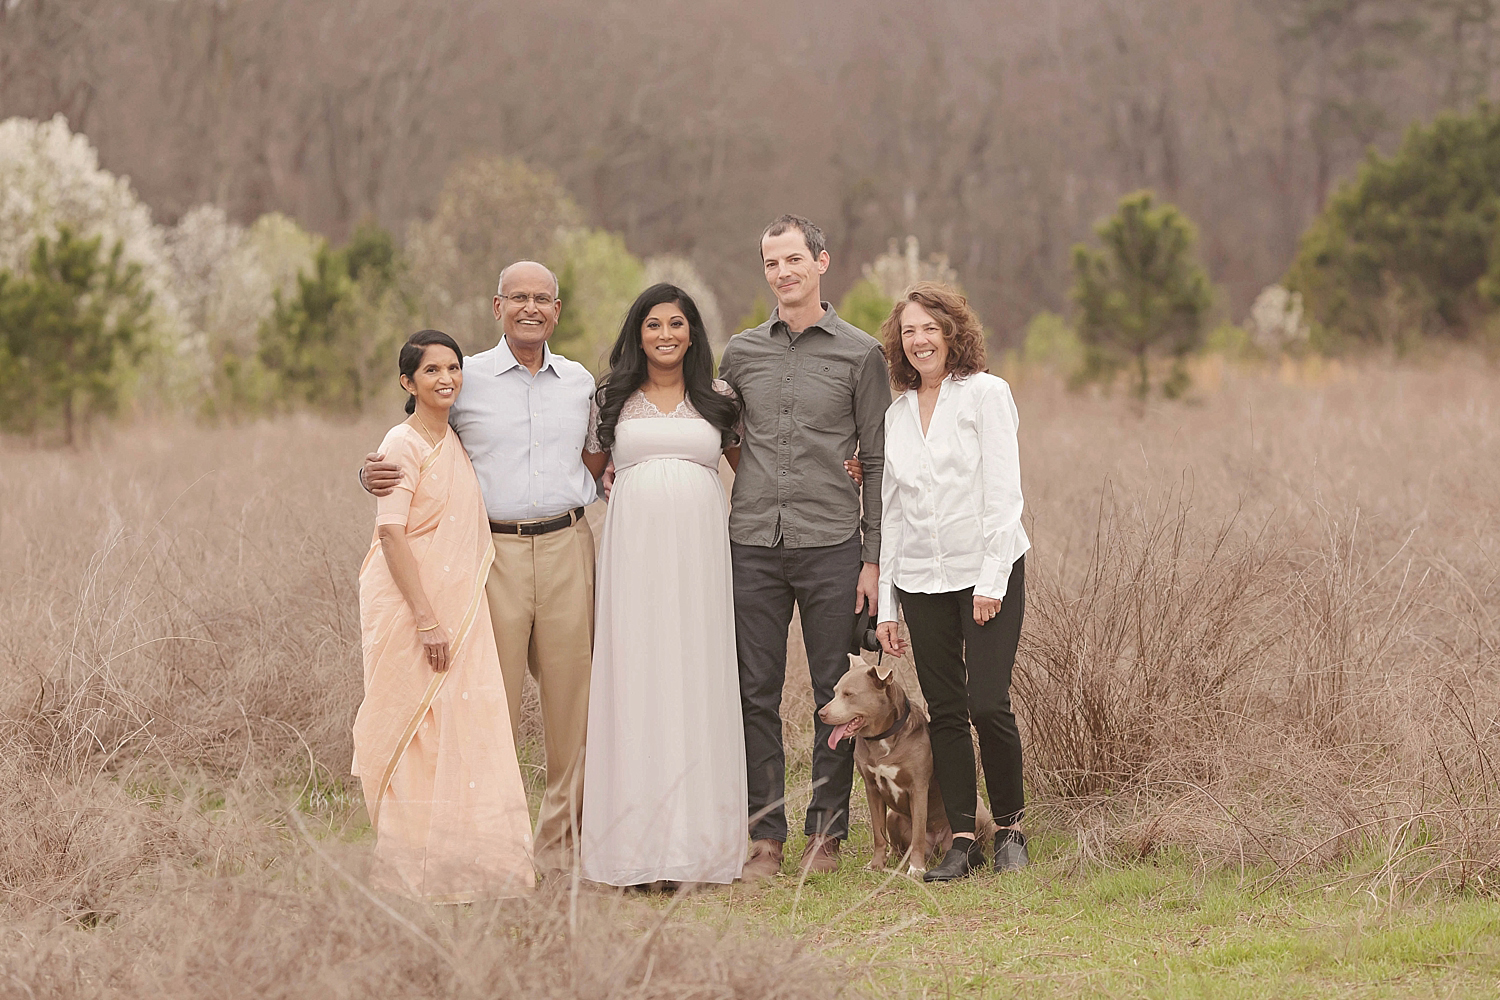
(1142, 294)
(228, 278)
(1051, 342)
(333, 344)
(757, 314)
(602, 279)
(1411, 246)
(1276, 322)
(866, 306)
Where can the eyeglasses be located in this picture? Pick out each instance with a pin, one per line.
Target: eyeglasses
(542, 299)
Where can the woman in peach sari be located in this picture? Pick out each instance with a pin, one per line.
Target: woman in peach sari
(432, 741)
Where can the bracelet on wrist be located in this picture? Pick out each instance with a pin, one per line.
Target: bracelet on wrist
(429, 628)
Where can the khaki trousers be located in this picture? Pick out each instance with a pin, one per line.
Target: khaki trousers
(541, 597)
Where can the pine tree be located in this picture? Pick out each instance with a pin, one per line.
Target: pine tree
(1412, 244)
(333, 344)
(71, 331)
(1142, 295)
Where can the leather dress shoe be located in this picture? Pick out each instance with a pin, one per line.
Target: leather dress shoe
(1010, 851)
(821, 855)
(764, 861)
(961, 860)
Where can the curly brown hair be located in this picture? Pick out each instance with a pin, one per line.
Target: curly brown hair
(961, 331)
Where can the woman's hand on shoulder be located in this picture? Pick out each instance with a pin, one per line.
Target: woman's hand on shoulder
(434, 646)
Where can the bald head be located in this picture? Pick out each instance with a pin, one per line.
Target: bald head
(527, 305)
(530, 269)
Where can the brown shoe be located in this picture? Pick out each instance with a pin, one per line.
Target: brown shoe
(764, 863)
(821, 854)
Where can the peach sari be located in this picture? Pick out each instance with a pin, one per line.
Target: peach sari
(434, 751)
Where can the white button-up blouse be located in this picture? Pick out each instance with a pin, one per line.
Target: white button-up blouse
(951, 512)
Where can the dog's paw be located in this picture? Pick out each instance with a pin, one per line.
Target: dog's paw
(876, 865)
(915, 872)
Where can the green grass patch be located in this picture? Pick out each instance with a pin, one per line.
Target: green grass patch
(1161, 930)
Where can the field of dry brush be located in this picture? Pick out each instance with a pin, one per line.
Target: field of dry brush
(1261, 633)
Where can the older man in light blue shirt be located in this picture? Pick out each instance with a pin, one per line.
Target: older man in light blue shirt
(522, 416)
(524, 432)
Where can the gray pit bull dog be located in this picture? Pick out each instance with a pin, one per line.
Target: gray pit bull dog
(894, 757)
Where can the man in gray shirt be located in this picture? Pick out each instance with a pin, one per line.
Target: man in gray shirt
(814, 389)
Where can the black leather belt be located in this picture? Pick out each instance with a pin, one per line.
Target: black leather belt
(547, 526)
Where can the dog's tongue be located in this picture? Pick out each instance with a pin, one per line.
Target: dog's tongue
(839, 732)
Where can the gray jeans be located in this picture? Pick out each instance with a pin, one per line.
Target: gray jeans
(822, 582)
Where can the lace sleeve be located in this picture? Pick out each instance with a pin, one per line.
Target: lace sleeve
(723, 388)
(591, 440)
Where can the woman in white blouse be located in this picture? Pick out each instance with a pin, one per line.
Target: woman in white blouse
(951, 554)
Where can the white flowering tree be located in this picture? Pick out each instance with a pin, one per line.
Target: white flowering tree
(887, 279)
(51, 186)
(896, 270)
(1276, 321)
(50, 179)
(228, 277)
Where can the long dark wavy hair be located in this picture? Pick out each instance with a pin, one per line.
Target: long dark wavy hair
(627, 368)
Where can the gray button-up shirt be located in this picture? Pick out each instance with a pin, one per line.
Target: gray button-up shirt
(809, 399)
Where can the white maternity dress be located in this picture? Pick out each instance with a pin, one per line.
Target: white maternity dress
(664, 777)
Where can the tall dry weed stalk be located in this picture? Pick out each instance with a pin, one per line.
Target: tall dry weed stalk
(1273, 637)
(1136, 661)
(1262, 629)
(179, 672)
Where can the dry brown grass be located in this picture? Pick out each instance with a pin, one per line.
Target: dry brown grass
(1261, 630)
(180, 674)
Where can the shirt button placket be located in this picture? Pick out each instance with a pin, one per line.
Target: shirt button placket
(534, 405)
(784, 450)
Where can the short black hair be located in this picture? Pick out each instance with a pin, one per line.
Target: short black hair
(811, 234)
(411, 355)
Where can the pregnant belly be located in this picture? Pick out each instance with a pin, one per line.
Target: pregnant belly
(667, 470)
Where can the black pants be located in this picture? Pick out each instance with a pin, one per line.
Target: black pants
(964, 669)
(822, 581)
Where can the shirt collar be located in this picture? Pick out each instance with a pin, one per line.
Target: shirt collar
(505, 360)
(824, 323)
(944, 388)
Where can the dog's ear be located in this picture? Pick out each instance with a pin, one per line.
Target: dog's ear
(882, 672)
(855, 661)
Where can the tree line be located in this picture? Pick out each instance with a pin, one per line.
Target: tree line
(997, 133)
(104, 297)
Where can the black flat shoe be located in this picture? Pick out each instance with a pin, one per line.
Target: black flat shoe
(957, 863)
(1010, 851)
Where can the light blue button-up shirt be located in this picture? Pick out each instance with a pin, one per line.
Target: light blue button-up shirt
(524, 432)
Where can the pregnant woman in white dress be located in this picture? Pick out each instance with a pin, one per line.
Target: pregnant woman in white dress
(664, 796)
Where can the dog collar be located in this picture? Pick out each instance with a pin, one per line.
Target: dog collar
(896, 726)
